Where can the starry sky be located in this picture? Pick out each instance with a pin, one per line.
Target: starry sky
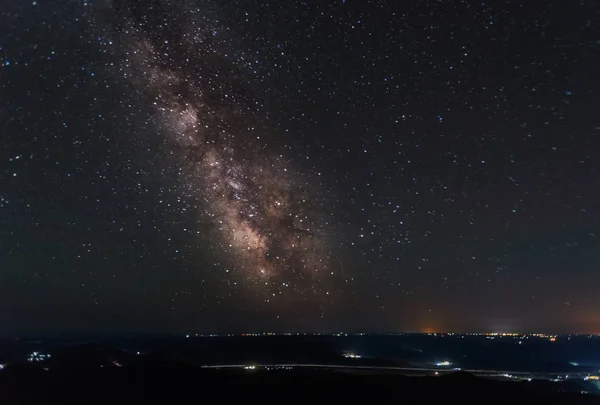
(237, 166)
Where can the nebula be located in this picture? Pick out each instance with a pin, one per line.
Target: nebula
(262, 213)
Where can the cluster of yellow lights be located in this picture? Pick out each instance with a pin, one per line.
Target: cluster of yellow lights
(507, 334)
(493, 335)
(545, 336)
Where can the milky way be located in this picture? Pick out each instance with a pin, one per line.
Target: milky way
(263, 215)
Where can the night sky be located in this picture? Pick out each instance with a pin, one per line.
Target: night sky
(251, 166)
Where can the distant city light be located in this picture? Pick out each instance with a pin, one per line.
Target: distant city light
(37, 357)
(442, 363)
(352, 356)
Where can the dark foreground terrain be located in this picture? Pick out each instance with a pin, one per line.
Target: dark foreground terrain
(171, 383)
(304, 369)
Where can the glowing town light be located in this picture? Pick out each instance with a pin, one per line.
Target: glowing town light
(37, 357)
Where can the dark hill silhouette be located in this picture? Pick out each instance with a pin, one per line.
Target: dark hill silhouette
(153, 380)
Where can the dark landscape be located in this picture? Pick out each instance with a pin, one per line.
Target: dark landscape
(297, 367)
